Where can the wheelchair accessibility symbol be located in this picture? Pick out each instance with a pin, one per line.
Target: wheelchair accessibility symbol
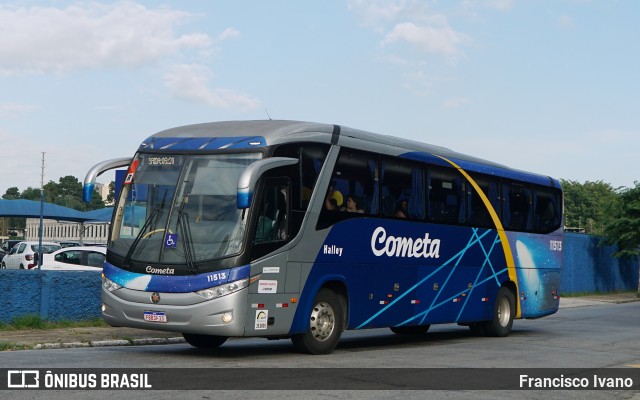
(171, 240)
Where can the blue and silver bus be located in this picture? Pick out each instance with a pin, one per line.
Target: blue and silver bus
(285, 229)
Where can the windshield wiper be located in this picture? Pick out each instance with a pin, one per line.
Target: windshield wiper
(155, 214)
(187, 244)
(153, 217)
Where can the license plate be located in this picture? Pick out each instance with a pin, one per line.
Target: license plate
(155, 316)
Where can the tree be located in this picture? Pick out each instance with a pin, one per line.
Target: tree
(30, 194)
(96, 202)
(67, 193)
(11, 194)
(7, 223)
(589, 205)
(112, 192)
(624, 227)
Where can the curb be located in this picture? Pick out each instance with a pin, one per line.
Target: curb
(573, 302)
(109, 343)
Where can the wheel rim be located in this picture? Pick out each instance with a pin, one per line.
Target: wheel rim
(323, 321)
(504, 311)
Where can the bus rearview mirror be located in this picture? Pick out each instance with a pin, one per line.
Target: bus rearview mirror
(251, 174)
(96, 170)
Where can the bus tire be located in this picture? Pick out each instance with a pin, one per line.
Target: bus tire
(325, 325)
(204, 341)
(476, 329)
(503, 314)
(410, 330)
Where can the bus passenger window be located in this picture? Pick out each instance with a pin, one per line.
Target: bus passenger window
(445, 196)
(303, 175)
(517, 207)
(355, 176)
(547, 214)
(402, 190)
(477, 212)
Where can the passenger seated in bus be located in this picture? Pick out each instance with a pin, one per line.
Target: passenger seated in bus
(402, 211)
(333, 200)
(353, 205)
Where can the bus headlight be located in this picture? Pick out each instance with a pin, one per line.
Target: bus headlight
(223, 290)
(109, 284)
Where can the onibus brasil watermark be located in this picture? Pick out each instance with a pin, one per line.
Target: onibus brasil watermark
(32, 379)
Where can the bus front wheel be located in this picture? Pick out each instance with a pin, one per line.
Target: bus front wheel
(325, 325)
(204, 341)
(503, 314)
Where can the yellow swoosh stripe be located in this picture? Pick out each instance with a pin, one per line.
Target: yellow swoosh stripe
(506, 247)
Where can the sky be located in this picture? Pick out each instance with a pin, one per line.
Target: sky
(546, 86)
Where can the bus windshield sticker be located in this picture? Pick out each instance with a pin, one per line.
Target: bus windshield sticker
(132, 170)
(171, 240)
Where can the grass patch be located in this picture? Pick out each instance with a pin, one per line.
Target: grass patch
(5, 346)
(35, 322)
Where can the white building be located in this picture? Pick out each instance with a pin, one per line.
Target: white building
(67, 231)
(64, 231)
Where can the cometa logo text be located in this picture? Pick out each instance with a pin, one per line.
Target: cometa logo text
(399, 246)
(162, 271)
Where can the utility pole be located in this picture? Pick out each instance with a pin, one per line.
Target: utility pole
(41, 213)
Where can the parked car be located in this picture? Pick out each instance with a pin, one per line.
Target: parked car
(82, 258)
(22, 255)
(7, 246)
(70, 244)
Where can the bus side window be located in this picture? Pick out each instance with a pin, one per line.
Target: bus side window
(271, 225)
(546, 210)
(517, 207)
(402, 190)
(477, 212)
(303, 175)
(446, 200)
(355, 177)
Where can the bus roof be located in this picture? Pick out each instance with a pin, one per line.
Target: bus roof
(261, 133)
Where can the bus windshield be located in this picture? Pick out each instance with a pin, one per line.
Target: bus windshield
(180, 208)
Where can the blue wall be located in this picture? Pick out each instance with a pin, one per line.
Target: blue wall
(588, 267)
(53, 295)
(75, 295)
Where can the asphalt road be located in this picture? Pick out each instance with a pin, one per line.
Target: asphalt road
(594, 336)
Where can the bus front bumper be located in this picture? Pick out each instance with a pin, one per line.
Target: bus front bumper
(176, 312)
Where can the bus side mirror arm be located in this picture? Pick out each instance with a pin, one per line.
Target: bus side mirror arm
(97, 170)
(251, 174)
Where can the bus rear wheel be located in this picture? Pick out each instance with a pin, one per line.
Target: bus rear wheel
(204, 341)
(503, 314)
(326, 322)
(410, 330)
